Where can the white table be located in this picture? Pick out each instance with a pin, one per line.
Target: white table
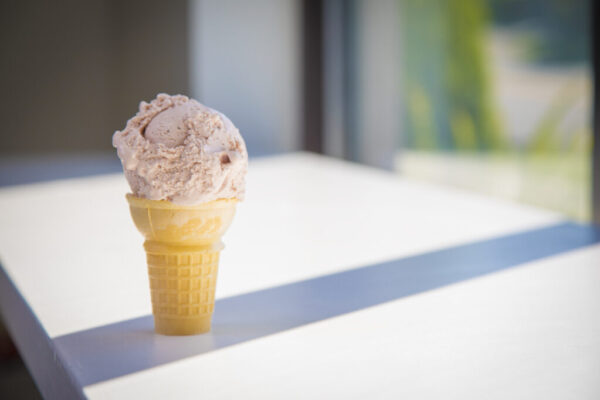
(338, 281)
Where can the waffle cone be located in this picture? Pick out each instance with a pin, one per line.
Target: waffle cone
(182, 249)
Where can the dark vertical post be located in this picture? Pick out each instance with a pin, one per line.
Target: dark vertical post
(312, 27)
(595, 26)
(351, 77)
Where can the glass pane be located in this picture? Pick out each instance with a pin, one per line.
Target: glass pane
(492, 96)
(496, 97)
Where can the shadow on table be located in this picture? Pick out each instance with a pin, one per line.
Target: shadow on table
(130, 346)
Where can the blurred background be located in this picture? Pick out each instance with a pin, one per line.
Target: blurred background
(493, 96)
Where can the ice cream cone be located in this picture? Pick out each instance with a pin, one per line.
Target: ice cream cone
(182, 247)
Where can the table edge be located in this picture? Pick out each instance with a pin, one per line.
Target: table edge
(34, 345)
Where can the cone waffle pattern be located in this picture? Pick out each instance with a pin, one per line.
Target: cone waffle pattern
(183, 285)
(182, 247)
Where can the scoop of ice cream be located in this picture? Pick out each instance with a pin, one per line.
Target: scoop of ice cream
(179, 150)
(168, 126)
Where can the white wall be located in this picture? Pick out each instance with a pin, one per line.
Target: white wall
(245, 62)
(363, 108)
(379, 81)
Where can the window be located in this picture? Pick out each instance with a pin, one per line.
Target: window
(486, 95)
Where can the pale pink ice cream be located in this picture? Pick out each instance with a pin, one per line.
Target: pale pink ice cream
(179, 150)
